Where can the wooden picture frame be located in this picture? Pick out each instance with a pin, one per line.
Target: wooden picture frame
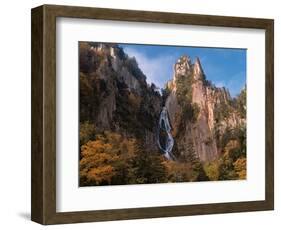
(43, 207)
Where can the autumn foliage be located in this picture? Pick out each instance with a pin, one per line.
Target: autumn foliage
(111, 158)
(104, 158)
(119, 118)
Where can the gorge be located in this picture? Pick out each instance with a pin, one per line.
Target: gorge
(198, 127)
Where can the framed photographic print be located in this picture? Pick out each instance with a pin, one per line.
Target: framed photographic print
(141, 114)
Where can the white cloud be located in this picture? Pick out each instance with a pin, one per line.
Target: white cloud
(158, 70)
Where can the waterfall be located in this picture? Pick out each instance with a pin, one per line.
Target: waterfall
(164, 137)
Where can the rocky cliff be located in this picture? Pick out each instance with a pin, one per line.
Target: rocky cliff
(200, 113)
(114, 94)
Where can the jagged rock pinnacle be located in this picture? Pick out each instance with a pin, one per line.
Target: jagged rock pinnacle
(183, 65)
(198, 71)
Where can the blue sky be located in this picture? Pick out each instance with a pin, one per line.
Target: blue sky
(224, 67)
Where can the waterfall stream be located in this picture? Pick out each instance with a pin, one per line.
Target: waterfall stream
(164, 137)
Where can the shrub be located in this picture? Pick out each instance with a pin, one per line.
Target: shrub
(86, 132)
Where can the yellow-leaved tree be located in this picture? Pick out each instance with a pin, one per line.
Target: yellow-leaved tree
(240, 167)
(105, 157)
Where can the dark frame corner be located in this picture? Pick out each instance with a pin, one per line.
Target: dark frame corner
(43, 188)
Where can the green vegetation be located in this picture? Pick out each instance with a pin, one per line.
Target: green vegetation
(178, 171)
(184, 89)
(241, 103)
(134, 113)
(212, 170)
(110, 158)
(189, 155)
(126, 113)
(222, 111)
(190, 111)
(148, 168)
(133, 68)
(119, 149)
(232, 164)
(86, 132)
(198, 173)
(113, 159)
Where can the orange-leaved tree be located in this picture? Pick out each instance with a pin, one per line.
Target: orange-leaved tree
(104, 158)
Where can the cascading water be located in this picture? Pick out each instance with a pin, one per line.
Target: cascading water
(164, 137)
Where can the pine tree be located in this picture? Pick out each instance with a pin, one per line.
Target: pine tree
(148, 167)
(199, 173)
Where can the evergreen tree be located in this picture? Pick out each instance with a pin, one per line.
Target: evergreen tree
(226, 168)
(148, 167)
(199, 173)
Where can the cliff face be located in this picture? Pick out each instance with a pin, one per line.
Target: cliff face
(114, 94)
(211, 109)
(131, 134)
